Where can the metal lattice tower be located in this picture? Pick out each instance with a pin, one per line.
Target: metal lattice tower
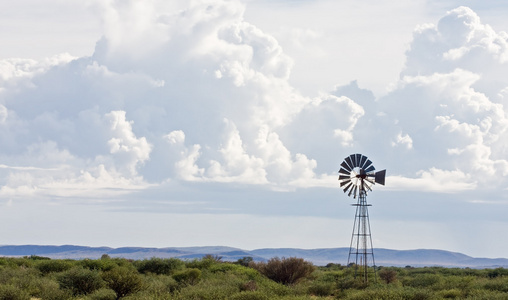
(361, 250)
(357, 176)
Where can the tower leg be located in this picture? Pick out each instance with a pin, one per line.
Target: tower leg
(361, 251)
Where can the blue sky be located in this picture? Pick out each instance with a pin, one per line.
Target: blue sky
(215, 122)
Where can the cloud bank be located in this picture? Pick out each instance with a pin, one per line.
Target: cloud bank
(191, 92)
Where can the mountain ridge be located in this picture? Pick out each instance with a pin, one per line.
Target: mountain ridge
(320, 256)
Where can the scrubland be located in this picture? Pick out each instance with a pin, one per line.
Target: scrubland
(38, 277)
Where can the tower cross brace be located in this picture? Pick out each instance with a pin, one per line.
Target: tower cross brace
(361, 251)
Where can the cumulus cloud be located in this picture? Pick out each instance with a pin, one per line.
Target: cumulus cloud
(446, 108)
(185, 91)
(190, 91)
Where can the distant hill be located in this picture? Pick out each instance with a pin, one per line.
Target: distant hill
(384, 257)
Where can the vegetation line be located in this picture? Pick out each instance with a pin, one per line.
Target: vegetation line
(37, 277)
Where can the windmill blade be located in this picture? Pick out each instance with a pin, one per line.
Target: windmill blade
(369, 181)
(366, 164)
(349, 162)
(368, 187)
(370, 169)
(347, 187)
(362, 161)
(380, 177)
(345, 166)
(358, 158)
(353, 159)
(344, 171)
(355, 192)
(343, 183)
(343, 177)
(351, 191)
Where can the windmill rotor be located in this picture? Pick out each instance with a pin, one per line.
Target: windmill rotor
(357, 174)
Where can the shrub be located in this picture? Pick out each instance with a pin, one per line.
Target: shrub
(102, 294)
(53, 266)
(423, 280)
(245, 261)
(215, 258)
(351, 283)
(216, 287)
(321, 288)
(48, 289)
(36, 257)
(98, 264)
(123, 281)
(498, 272)
(450, 294)
(331, 276)
(497, 284)
(80, 281)
(11, 292)
(388, 275)
(251, 295)
(250, 285)
(160, 285)
(285, 270)
(188, 276)
(201, 264)
(159, 266)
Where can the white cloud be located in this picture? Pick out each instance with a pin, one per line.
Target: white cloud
(404, 140)
(156, 112)
(128, 150)
(434, 180)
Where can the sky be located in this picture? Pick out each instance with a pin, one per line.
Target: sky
(224, 122)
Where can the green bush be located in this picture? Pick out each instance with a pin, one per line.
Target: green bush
(249, 295)
(321, 288)
(249, 286)
(387, 275)
(498, 272)
(98, 264)
(207, 290)
(380, 292)
(160, 285)
(286, 270)
(450, 294)
(497, 284)
(102, 294)
(330, 276)
(20, 275)
(201, 264)
(423, 280)
(123, 280)
(188, 276)
(80, 281)
(11, 292)
(53, 266)
(159, 265)
(245, 261)
(48, 289)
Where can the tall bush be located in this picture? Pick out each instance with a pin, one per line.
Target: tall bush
(49, 266)
(123, 280)
(188, 276)
(159, 266)
(286, 270)
(80, 281)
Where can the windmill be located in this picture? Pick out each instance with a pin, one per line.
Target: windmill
(357, 176)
